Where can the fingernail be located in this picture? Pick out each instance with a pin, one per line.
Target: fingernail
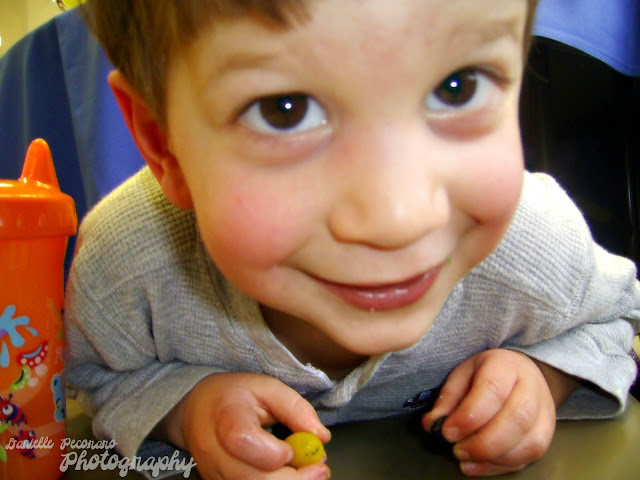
(469, 468)
(290, 455)
(324, 474)
(460, 454)
(452, 434)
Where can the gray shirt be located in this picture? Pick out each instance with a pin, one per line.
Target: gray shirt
(148, 315)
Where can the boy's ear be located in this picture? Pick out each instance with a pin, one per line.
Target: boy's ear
(152, 141)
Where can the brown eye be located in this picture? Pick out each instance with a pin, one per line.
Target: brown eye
(458, 89)
(284, 114)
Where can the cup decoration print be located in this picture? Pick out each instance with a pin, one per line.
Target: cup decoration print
(36, 219)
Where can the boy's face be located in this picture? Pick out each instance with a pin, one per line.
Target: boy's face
(349, 171)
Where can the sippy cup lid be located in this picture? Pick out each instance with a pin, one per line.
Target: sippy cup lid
(34, 206)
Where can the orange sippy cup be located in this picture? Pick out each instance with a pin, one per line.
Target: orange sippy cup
(36, 219)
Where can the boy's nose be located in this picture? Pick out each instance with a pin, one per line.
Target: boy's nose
(389, 200)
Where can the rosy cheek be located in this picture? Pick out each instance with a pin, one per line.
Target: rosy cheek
(249, 231)
(489, 187)
(496, 198)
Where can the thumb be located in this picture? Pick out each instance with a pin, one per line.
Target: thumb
(262, 402)
(239, 431)
(289, 408)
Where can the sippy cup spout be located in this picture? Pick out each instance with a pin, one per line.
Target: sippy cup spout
(34, 206)
(38, 165)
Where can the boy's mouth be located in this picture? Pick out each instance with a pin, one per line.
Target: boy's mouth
(385, 297)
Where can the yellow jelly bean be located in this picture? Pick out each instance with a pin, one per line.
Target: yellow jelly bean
(307, 449)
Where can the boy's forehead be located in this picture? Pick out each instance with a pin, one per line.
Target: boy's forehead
(239, 43)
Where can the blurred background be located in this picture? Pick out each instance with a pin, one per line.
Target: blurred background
(17, 17)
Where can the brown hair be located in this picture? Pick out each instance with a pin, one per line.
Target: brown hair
(140, 36)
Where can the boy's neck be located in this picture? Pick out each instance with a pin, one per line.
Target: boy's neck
(311, 346)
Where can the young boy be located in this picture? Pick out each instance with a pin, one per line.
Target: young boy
(334, 223)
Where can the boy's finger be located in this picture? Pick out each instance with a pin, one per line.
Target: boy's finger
(506, 429)
(451, 394)
(234, 469)
(240, 433)
(519, 434)
(487, 396)
(486, 469)
(288, 407)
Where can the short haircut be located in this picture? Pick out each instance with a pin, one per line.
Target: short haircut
(140, 36)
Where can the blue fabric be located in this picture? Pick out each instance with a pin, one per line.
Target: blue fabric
(608, 30)
(34, 103)
(53, 85)
(106, 150)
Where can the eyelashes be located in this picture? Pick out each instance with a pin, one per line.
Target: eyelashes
(284, 114)
(466, 90)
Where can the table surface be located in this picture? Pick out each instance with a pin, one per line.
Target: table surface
(395, 449)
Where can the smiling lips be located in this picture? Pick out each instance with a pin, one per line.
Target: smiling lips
(385, 297)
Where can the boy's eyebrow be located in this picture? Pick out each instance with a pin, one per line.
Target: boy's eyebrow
(489, 33)
(242, 60)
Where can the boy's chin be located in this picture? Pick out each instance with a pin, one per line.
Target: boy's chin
(379, 342)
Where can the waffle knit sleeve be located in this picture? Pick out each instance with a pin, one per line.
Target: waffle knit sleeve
(591, 300)
(121, 316)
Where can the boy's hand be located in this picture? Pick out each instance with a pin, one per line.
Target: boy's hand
(220, 422)
(501, 410)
